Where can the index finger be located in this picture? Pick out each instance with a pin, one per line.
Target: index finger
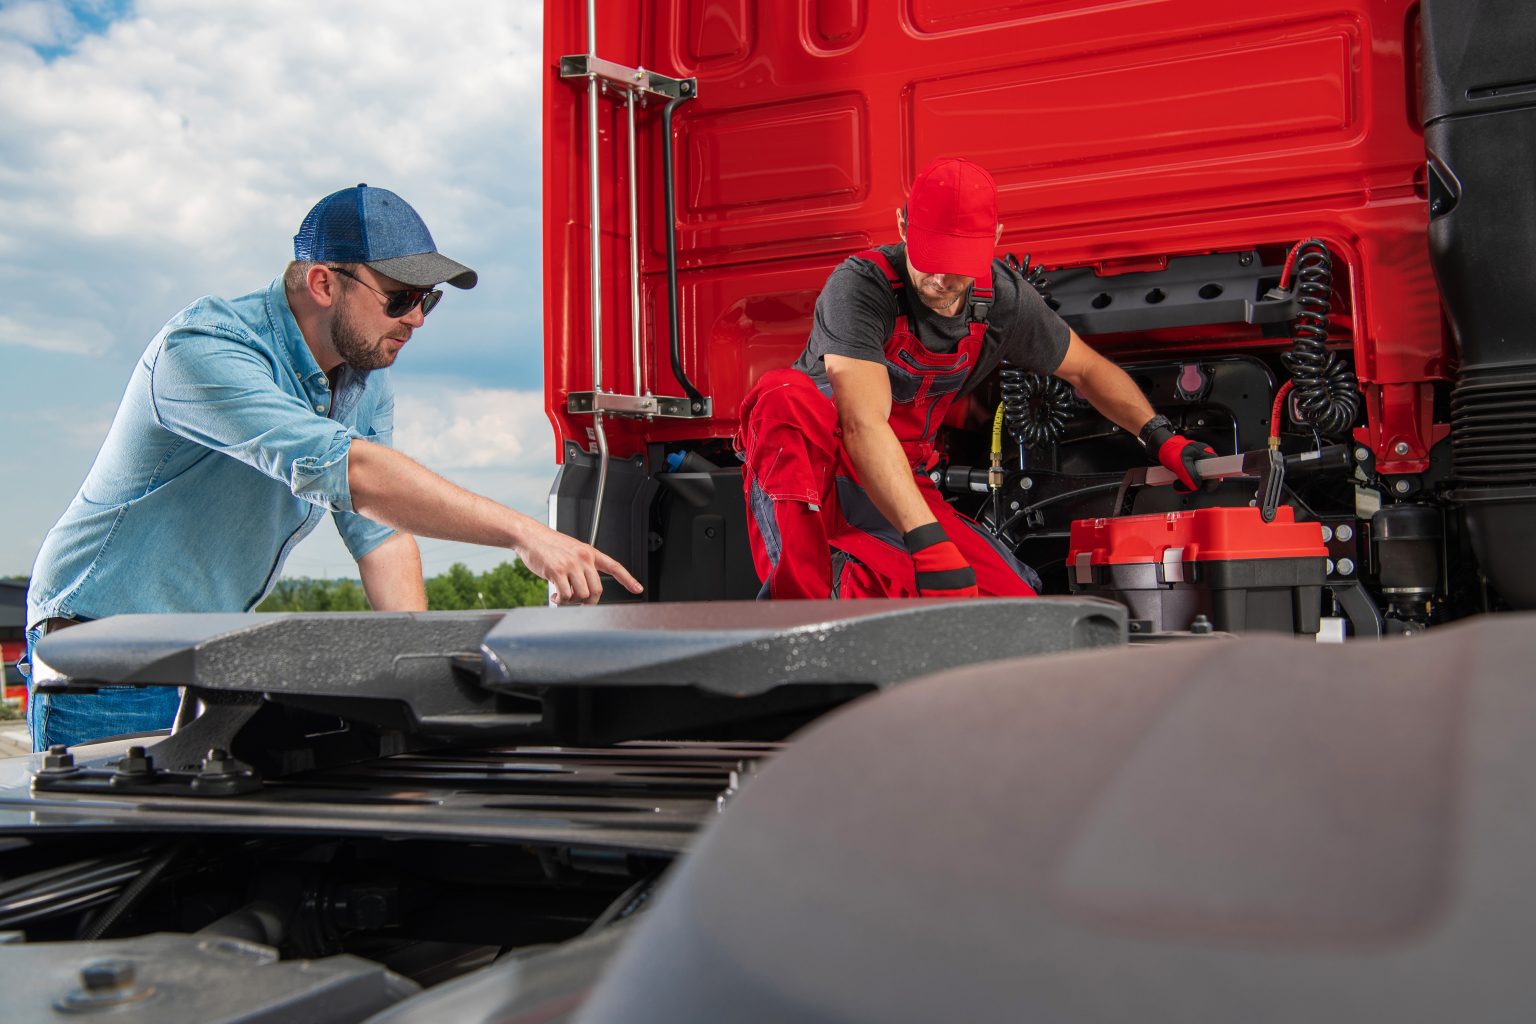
(618, 572)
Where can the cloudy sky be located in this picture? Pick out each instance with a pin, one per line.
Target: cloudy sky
(152, 151)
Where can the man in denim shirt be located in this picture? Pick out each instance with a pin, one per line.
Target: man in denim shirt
(245, 420)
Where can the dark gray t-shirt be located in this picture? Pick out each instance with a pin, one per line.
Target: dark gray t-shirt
(857, 310)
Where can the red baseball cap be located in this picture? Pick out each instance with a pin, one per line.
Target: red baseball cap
(952, 219)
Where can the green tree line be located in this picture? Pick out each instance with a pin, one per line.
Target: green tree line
(509, 585)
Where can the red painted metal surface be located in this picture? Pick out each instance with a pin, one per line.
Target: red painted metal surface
(1119, 132)
(10, 653)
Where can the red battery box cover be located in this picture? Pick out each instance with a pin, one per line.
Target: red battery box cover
(1205, 535)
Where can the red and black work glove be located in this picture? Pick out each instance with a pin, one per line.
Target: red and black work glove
(1177, 453)
(941, 570)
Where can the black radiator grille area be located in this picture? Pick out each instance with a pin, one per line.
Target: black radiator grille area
(1493, 428)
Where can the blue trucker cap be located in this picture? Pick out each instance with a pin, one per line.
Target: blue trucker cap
(375, 227)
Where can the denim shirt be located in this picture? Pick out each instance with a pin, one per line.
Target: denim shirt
(226, 450)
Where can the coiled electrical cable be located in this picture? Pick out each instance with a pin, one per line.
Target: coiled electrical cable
(1032, 273)
(1326, 392)
(1035, 406)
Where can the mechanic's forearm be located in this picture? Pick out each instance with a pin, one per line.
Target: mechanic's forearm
(391, 575)
(885, 474)
(1113, 393)
(398, 491)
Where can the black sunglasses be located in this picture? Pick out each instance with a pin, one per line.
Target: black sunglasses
(399, 303)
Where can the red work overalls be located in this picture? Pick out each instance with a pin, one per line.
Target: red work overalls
(814, 532)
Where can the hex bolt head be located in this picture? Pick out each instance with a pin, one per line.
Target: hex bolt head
(1201, 625)
(105, 985)
(58, 759)
(105, 975)
(1362, 454)
(1402, 487)
(1401, 448)
(135, 764)
(220, 765)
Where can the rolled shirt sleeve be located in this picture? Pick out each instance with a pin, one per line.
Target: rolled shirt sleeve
(218, 391)
(361, 534)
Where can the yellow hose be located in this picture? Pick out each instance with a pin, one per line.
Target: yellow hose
(995, 474)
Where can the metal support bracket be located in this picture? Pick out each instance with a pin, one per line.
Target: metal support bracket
(647, 406)
(632, 87)
(637, 80)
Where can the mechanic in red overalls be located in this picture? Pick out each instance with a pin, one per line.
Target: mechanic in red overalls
(838, 446)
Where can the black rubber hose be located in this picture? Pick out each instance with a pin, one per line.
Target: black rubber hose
(1081, 492)
(1326, 392)
(668, 189)
(1035, 406)
(131, 894)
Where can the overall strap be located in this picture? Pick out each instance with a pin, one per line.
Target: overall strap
(980, 304)
(877, 257)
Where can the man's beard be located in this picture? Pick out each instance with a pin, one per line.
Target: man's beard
(352, 345)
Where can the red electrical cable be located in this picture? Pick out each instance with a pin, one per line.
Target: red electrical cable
(1290, 264)
(1274, 411)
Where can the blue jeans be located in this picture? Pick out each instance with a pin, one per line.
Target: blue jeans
(74, 718)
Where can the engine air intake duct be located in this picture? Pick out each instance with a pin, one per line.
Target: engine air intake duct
(1480, 138)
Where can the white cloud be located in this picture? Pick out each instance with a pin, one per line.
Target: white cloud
(70, 335)
(39, 24)
(186, 141)
(447, 427)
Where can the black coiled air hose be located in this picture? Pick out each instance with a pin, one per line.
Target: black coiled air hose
(1035, 406)
(1032, 273)
(1326, 392)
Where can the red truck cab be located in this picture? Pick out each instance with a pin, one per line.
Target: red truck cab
(707, 163)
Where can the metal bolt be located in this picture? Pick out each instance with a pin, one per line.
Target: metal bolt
(1013, 506)
(1327, 535)
(1201, 625)
(105, 985)
(1345, 532)
(1026, 483)
(58, 759)
(135, 765)
(1402, 487)
(218, 762)
(1401, 448)
(1245, 260)
(104, 975)
(1328, 566)
(1346, 567)
(1362, 454)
